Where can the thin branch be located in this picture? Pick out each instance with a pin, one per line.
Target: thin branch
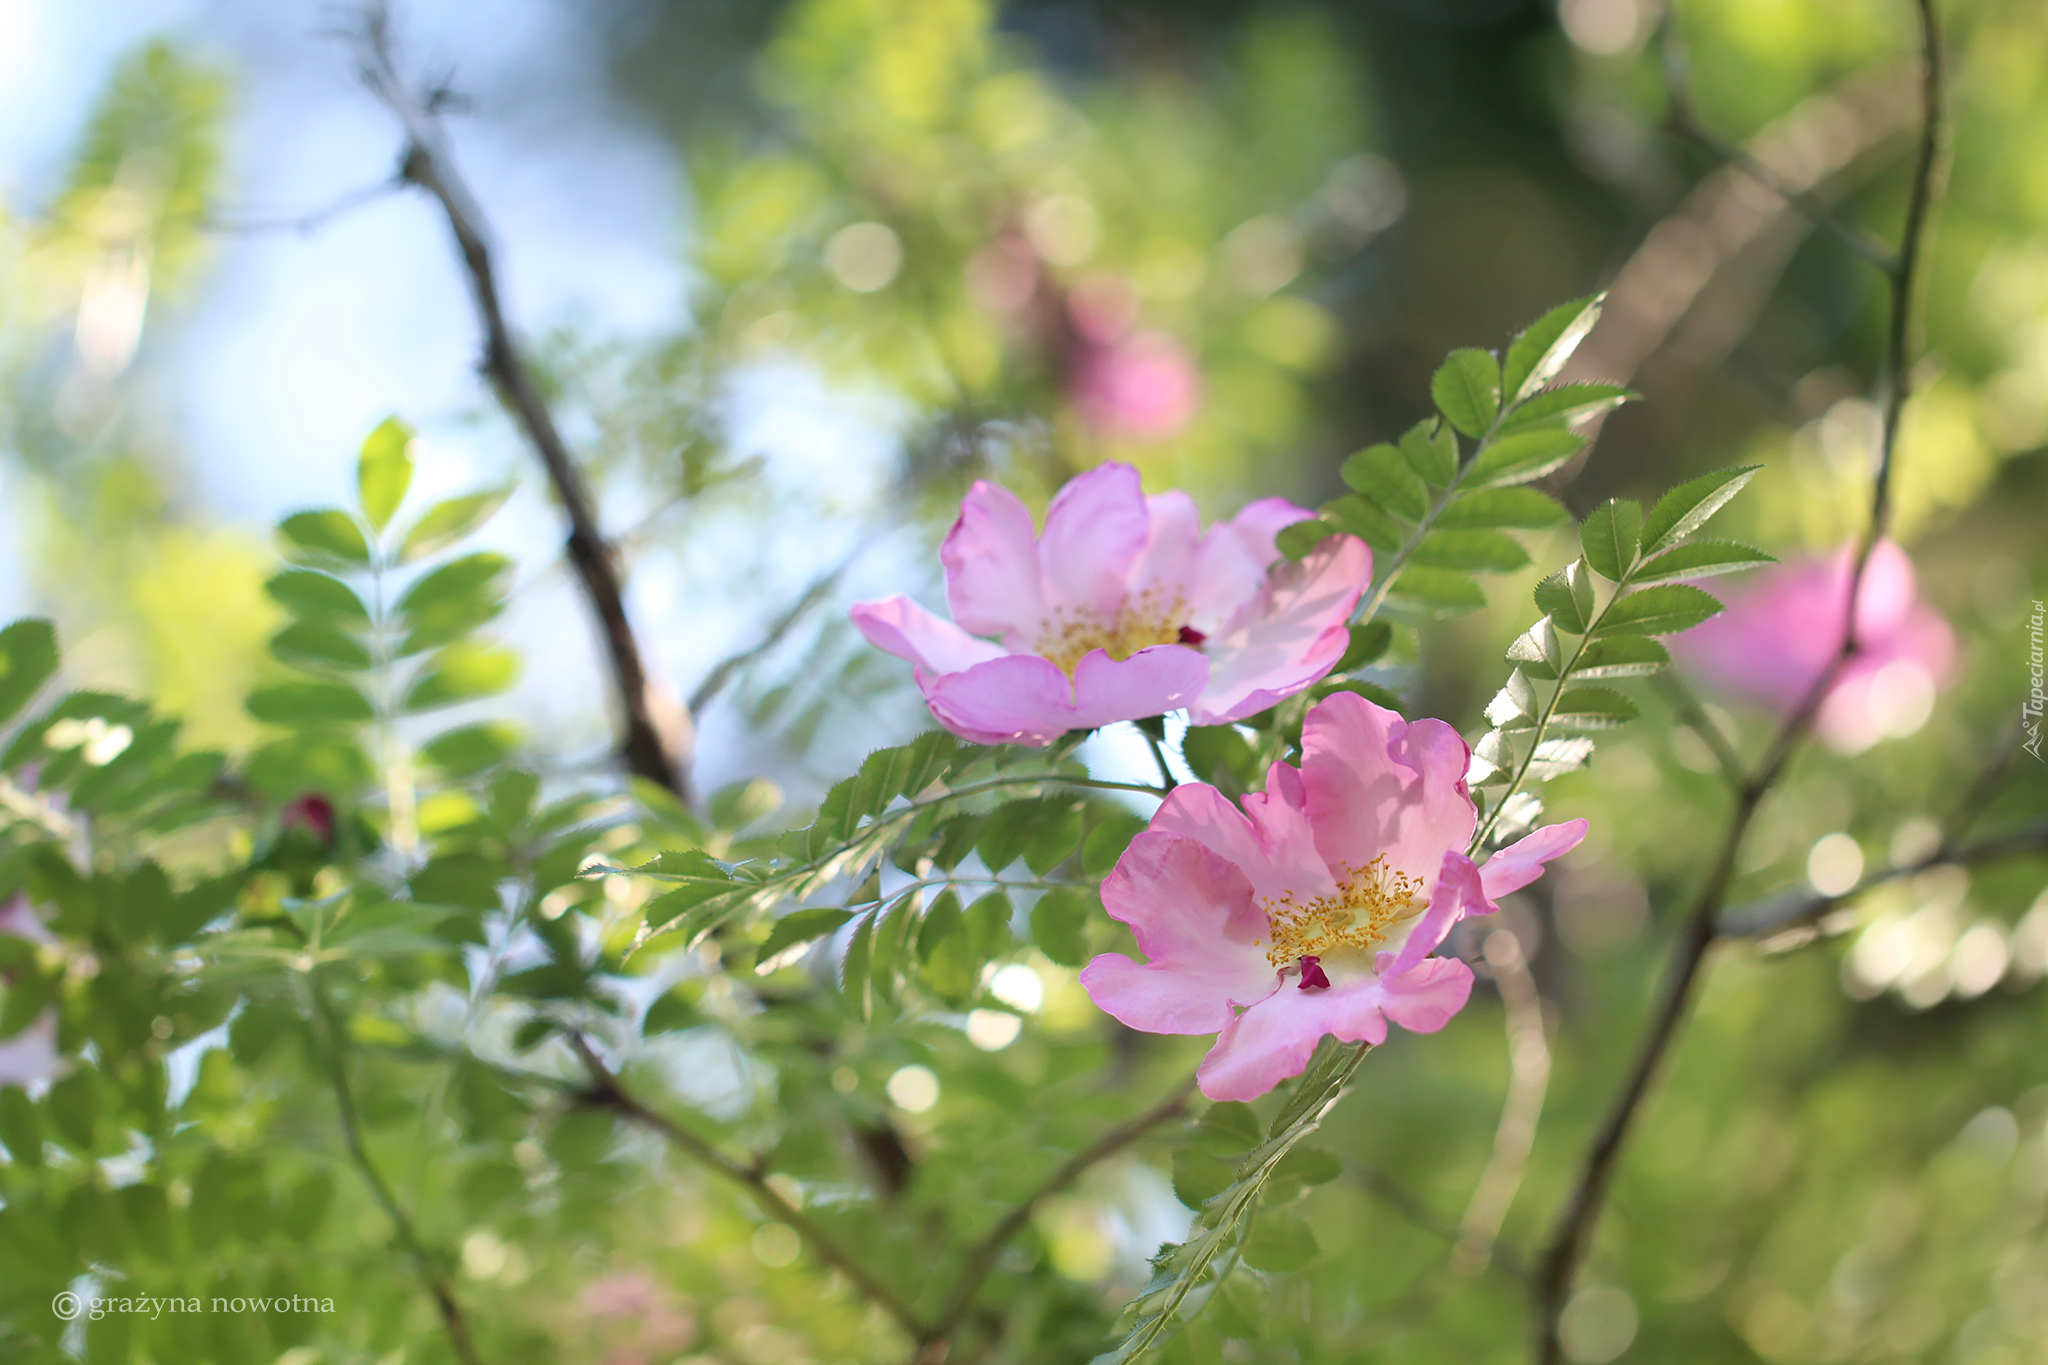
(1521, 1111)
(1777, 913)
(431, 1273)
(778, 630)
(1569, 1242)
(428, 164)
(1695, 718)
(1166, 777)
(309, 222)
(982, 1259)
(1418, 1212)
(1683, 122)
(606, 1091)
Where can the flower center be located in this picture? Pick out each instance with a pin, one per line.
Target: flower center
(1145, 619)
(1368, 903)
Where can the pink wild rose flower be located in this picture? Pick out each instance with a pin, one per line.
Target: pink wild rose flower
(1776, 638)
(1315, 908)
(1123, 607)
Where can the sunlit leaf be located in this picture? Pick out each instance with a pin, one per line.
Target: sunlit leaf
(384, 470)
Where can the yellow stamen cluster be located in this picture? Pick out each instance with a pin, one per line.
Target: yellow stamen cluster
(1146, 619)
(1369, 902)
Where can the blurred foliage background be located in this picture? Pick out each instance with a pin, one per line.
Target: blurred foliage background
(1227, 242)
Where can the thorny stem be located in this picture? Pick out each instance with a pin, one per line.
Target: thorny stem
(607, 1092)
(431, 1273)
(1569, 1242)
(427, 164)
(982, 1259)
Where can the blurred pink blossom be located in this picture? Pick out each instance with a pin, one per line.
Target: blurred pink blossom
(1778, 634)
(31, 1055)
(1124, 607)
(1144, 385)
(1314, 909)
(641, 1321)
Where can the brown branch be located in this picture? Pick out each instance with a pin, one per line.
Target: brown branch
(1569, 1242)
(432, 1276)
(607, 1092)
(982, 1259)
(428, 164)
(1777, 913)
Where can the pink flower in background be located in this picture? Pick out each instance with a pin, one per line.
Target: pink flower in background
(1145, 385)
(18, 918)
(1315, 908)
(1122, 608)
(30, 1055)
(1776, 639)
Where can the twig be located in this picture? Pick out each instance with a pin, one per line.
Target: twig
(428, 164)
(981, 1260)
(307, 222)
(435, 1279)
(1166, 777)
(607, 1092)
(722, 672)
(1683, 122)
(1568, 1243)
(1695, 718)
(1776, 913)
(1521, 1111)
(1412, 1207)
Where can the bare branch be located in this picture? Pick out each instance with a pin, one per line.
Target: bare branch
(1521, 1111)
(778, 630)
(1569, 1242)
(982, 1258)
(428, 164)
(606, 1091)
(311, 221)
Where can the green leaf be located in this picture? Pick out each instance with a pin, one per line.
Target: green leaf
(1522, 509)
(310, 703)
(74, 1105)
(1523, 454)
(947, 962)
(740, 804)
(1438, 592)
(1662, 610)
(1621, 656)
(1611, 537)
(314, 596)
(1368, 643)
(1298, 539)
(462, 672)
(384, 470)
(454, 599)
(1686, 508)
(1702, 559)
(1566, 597)
(1220, 756)
(1568, 405)
(1199, 1177)
(309, 644)
(447, 522)
(1106, 842)
(1556, 757)
(469, 749)
(1431, 450)
(854, 967)
(1475, 551)
(1514, 706)
(1467, 390)
(1360, 516)
(802, 926)
(1059, 926)
(326, 535)
(1229, 1126)
(28, 659)
(1536, 356)
(1537, 651)
(1280, 1242)
(1382, 474)
(21, 1126)
(1592, 708)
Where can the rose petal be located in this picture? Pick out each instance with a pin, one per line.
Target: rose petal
(1095, 530)
(1424, 999)
(1381, 785)
(1520, 863)
(1274, 1039)
(903, 628)
(1457, 894)
(1023, 699)
(991, 559)
(1149, 683)
(1289, 637)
